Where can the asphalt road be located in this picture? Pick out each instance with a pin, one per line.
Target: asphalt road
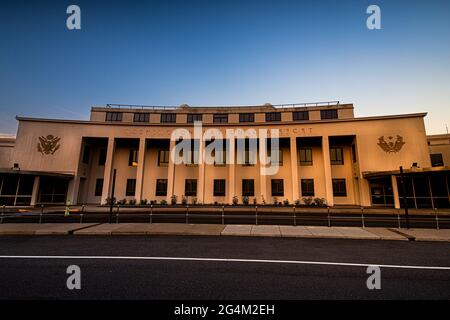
(141, 277)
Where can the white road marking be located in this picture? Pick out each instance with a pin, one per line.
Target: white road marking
(229, 260)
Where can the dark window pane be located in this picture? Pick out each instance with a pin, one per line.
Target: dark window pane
(168, 117)
(336, 155)
(131, 187)
(98, 187)
(190, 187)
(141, 117)
(300, 115)
(339, 188)
(328, 114)
(86, 154)
(307, 187)
(102, 157)
(161, 187)
(277, 187)
(219, 187)
(163, 157)
(305, 155)
(114, 116)
(248, 187)
(220, 118)
(192, 117)
(246, 117)
(436, 160)
(273, 116)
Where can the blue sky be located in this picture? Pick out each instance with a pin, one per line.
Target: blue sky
(224, 53)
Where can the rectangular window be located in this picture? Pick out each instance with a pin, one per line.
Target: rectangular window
(300, 115)
(86, 154)
(168, 117)
(307, 187)
(305, 156)
(114, 116)
(220, 118)
(190, 187)
(221, 159)
(219, 187)
(277, 187)
(192, 117)
(98, 187)
(248, 187)
(133, 158)
(273, 116)
(273, 160)
(141, 117)
(339, 188)
(161, 187)
(131, 188)
(328, 114)
(163, 158)
(246, 117)
(102, 156)
(436, 160)
(354, 153)
(336, 155)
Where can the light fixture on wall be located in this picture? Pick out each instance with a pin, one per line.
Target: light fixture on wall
(16, 167)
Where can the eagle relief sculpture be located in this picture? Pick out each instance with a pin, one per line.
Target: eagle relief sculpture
(48, 144)
(391, 145)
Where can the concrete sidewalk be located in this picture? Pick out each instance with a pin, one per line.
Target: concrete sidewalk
(225, 230)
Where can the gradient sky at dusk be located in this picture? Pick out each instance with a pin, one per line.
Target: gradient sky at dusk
(207, 53)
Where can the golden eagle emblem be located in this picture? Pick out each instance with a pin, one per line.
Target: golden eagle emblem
(391, 145)
(48, 144)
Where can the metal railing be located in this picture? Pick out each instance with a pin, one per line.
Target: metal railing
(233, 215)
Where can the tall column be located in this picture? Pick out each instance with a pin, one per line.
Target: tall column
(201, 172)
(171, 172)
(294, 169)
(395, 191)
(263, 181)
(327, 170)
(108, 169)
(35, 191)
(72, 190)
(231, 159)
(140, 170)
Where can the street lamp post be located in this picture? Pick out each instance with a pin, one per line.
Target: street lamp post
(111, 198)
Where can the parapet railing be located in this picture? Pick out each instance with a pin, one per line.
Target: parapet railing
(277, 106)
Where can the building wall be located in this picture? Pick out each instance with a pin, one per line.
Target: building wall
(440, 144)
(6, 150)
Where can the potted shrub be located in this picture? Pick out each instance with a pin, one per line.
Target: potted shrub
(164, 202)
(286, 202)
(308, 201)
(144, 202)
(235, 201)
(173, 199)
(132, 202)
(297, 202)
(183, 200)
(275, 200)
(194, 201)
(245, 200)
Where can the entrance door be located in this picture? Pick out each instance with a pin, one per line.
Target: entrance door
(381, 192)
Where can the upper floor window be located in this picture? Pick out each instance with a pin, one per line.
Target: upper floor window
(86, 154)
(273, 159)
(114, 116)
(192, 117)
(246, 117)
(168, 117)
(141, 117)
(163, 158)
(102, 156)
(133, 158)
(436, 160)
(336, 155)
(273, 116)
(300, 115)
(328, 114)
(305, 156)
(220, 118)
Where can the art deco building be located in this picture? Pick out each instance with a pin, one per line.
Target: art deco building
(325, 152)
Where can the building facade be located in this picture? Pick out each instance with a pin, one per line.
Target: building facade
(125, 152)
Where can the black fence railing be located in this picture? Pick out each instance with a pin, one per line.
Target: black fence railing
(232, 215)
